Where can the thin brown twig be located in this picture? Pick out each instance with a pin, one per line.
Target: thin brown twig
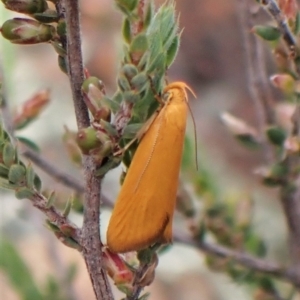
(273, 9)
(59, 175)
(54, 216)
(244, 259)
(52, 170)
(258, 84)
(90, 239)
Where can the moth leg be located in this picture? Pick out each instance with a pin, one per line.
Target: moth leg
(139, 134)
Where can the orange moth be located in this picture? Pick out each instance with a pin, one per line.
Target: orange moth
(144, 208)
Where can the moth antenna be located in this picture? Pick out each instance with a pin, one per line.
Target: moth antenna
(186, 87)
(195, 137)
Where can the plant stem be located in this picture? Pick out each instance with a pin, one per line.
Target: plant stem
(90, 239)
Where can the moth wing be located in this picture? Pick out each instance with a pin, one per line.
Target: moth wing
(144, 208)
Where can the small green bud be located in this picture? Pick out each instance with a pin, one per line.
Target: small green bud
(268, 33)
(26, 6)
(87, 139)
(276, 135)
(93, 90)
(27, 31)
(284, 82)
(91, 80)
(140, 82)
(61, 28)
(129, 70)
(16, 174)
(48, 16)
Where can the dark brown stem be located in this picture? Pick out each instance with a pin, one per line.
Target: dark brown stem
(74, 61)
(90, 239)
(91, 234)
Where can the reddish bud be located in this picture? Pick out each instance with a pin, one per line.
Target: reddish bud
(285, 82)
(289, 8)
(26, 6)
(31, 109)
(27, 31)
(118, 269)
(93, 90)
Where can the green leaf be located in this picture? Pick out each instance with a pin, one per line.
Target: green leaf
(9, 154)
(131, 130)
(140, 82)
(112, 163)
(29, 143)
(172, 51)
(276, 135)
(129, 70)
(131, 96)
(68, 207)
(111, 104)
(139, 45)
(148, 15)
(30, 175)
(268, 33)
(297, 24)
(3, 171)
(158, 63)
(123, 83)
(16, 174)
(24, 193)
(37, 183)
(126, 31)
(17, 272)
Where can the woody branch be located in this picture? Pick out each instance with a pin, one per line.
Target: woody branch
(90, 233)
